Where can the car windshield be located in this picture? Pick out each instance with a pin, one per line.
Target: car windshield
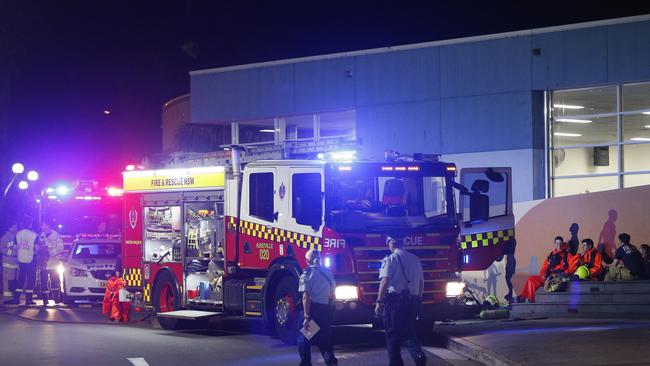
(96, 250)
(387, 201)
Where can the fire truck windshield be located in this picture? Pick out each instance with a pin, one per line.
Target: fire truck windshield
(389, 202)
(72, 216)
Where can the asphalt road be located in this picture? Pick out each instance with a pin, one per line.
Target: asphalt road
(232, 342)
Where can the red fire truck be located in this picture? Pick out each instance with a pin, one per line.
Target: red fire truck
(230, 241)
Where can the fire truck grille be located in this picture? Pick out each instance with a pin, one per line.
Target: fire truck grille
(103, 274)
(436, 264)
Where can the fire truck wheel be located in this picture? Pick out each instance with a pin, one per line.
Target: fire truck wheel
(284, 311)
(166, 298)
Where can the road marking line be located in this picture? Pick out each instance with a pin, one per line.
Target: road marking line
(138, 361)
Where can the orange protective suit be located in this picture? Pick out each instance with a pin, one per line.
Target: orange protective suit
(592, 260)
(111, 305)
(557, 261)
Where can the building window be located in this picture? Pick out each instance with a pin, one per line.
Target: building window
(306, 127)
(599, 138)
(260, 196)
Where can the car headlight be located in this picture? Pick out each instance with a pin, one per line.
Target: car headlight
(76, 272)
(455, 289)
(346, 292)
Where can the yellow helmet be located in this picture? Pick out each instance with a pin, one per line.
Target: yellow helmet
(582, 272)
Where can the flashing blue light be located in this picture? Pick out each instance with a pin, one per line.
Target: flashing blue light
(466, 258)
(328, 262)
(62, 190)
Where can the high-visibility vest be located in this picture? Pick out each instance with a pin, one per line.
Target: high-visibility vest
(25, 239)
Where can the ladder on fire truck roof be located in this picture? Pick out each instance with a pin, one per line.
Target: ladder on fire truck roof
(262, 151)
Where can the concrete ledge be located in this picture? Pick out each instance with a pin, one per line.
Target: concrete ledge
(478, 353)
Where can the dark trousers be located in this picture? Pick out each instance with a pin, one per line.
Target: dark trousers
(322, 315)
(400, 317)
(26, 279)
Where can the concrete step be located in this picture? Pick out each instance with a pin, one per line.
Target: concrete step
(592, 286)
(596, 310)
(593, 297)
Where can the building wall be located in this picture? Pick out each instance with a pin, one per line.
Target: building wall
(175, 113)
(463, 99)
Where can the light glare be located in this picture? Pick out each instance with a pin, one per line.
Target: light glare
(32, 175)
(455, 289)
(23, 185)
(17, 168)
(346, 292)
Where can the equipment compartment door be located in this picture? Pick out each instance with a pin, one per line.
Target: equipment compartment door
(487, 226)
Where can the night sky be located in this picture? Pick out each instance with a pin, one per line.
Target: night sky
(62, 64)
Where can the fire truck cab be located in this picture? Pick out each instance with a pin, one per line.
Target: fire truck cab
(218, 240)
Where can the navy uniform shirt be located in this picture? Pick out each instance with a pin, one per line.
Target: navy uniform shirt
(390, 268)
(319, 283)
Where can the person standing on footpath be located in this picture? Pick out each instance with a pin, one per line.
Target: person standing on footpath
(317, 286)
(9, 251)
(398, 302)
(27, 241)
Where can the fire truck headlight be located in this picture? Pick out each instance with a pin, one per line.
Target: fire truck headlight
(347, 292)
(328, 262)
(60, 269)
(455, 289)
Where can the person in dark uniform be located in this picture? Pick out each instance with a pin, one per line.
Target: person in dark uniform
(317, 286)
(400, 293)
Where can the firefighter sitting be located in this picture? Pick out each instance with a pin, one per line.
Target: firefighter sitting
(589, 263)
(112, 306)
(559, 262)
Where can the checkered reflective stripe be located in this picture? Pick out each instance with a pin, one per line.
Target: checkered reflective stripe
(486, 238)
(277, 235)
(133, 277)
(147, 293)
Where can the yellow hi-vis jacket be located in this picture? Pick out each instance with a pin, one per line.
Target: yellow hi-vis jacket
(26, 240)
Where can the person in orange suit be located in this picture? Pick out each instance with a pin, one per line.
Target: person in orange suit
(559, 261)
(112, 306)
(591, 259)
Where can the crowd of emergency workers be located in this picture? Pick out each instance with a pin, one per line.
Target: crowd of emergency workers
(567, 263)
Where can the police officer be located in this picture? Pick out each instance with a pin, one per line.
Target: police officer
(48, 262)
(400, 291)
(317, 286)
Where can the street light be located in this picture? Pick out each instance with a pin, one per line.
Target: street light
(32, 175)
(23, 185)
(17, 168)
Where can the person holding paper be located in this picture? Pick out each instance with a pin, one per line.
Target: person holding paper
(317, 286)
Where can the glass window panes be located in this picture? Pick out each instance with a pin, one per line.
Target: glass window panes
(636, 97)
(256, 131)
(570, 186)
(338, 124)
(584, 101)
(260, 197)
(583, 131)
(636, 128)
(585, 160)
(299, 127)
(635, 180)
(307, 199)
(636, 157)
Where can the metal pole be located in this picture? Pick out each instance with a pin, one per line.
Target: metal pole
(11, 182)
